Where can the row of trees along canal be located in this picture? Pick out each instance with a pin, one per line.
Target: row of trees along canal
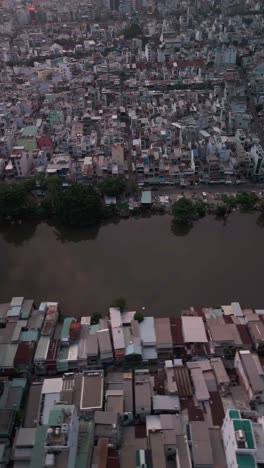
(43, 198)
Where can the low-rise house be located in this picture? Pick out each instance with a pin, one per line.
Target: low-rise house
(107, 425)
(256, 330)
(193, 330)
(239, 441)
(23, 445)
(220, 373)
(23, 360)
(117, 334)
(250, 373)
(41, 355)
(201, 445)
(92, 392)
(143, 393)
(163, 404)
(163, 337)
(104, 341)
(52, 356)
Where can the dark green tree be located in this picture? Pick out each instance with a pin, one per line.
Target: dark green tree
(95, 318)
(134, 30)
(221, 210)
(120, 303)
(16, 202)
(247, 200)
(183, 211)
(200, 208)
(139, 317)
(112, 186)
(78, 205)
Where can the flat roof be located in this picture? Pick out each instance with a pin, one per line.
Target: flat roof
(193, 330)
(201, 443)
(146, 197)
(115, 317)
(33, 405)
(53, 385)
(92, 390)
(147, 331)
(118, 338)
(42, 348)
(163, 332)
(200, 387)
(25, 437)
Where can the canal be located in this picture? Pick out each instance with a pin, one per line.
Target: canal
(144, 260)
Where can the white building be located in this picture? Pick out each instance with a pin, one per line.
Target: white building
(20, 162)
(225, 56)
(239, 441)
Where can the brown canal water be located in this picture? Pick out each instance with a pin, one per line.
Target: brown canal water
(143, 260)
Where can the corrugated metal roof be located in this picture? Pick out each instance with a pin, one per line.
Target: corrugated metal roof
(29, 335)
(7, 355)
(147, 331)
(65, 332)
(42, 349)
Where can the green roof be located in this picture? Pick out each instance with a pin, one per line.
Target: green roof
(94, 329)
(245, 425)
(29, 144)
(29, 131)
(245, 461)
(19, 382)
(85, 444)
(56, 415)
(65, 332)
(30, 335)
(62, 361)
(146, 197)
(39, 447)
(234, 414)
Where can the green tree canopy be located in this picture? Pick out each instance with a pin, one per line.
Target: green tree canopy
(78, 205)
(183, 211)
(247, 200)
(95, 318)
(120, 303)
(139, 317)
(16, 201)
(134, 30)
(112, 186)
(221, 210)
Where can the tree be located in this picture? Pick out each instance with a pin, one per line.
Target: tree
(79, 205)
(200, 208)
(120, 303)
(259, 107)
(183, 211)
(112, 186)
(221, 210)
(16, 202)
(247, 200)
(134, 30)
(229, 201)
(139, 317)
(95, 318)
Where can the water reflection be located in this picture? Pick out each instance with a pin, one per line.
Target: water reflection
(17, 234)
(64, 234)
(180, 229)
(260, 220)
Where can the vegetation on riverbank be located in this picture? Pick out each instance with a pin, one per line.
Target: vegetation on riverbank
(186, 211)
(83, 205)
